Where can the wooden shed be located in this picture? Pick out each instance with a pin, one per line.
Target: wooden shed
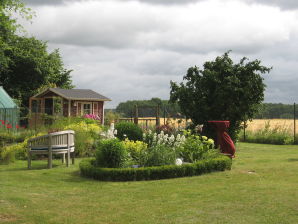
(66, 102)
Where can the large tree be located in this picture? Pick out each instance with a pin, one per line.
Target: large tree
(222, 90)
(25, 64)
(31, 66)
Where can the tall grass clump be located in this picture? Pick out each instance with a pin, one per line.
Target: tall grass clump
(277, 135)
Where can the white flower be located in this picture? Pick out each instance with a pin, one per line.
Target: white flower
(182, 138)
(149, 132)
(178, 162)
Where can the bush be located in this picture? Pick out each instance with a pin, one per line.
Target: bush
(129, 130)
(158, 155)
(11, 152)
(8, 137)
(111, 153)
(136, 149)
(88, 169)
(196, 147)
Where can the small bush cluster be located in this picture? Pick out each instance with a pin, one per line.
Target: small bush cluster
(196, 147)
(88, 169)
(129, 130)
(111, 153)
(11, 152)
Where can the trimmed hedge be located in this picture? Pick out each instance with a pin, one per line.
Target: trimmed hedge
(154, 173)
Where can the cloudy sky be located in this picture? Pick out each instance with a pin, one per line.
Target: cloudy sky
(131, 49)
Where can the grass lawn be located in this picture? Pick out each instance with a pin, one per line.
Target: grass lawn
(262, 187)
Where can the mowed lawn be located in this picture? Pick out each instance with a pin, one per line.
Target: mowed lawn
(262, 187)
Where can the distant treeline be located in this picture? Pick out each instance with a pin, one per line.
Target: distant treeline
(276, 110)
(148, 108)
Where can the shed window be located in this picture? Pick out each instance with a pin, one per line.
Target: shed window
(87, 108)
(36, 106)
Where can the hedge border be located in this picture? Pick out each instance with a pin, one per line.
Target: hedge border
(154, 173)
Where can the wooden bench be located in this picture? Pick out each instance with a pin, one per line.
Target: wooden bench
(61, 142)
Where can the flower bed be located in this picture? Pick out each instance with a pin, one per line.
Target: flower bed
(88, 169)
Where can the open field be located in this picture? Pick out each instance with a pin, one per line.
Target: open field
(254, 125)
(281, 124)
(260, 188)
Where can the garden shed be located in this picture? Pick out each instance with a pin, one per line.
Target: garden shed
(9, 112)
(67, 103)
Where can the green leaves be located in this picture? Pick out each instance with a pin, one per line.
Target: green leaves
(221, 91)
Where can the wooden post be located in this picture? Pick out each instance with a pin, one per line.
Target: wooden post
(69, 108)
(294, 123)
(164, 116)
(136, 118)
(157, 115)
(244, 136)
(50, 152)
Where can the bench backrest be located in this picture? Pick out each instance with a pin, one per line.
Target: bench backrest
(53, 140)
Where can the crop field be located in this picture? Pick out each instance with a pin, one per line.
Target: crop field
(280, 125)
(286, 125)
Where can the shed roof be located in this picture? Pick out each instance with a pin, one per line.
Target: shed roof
(75, 94)
(5, 100)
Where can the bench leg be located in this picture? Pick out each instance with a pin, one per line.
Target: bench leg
(63, 158)
(50, 159)
(29, 160)
(73, 158)
(68, 158)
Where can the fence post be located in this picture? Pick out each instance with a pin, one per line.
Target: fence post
(157, 115)
(244, 126)
(164, 116)
(136, 118)
(294, 123)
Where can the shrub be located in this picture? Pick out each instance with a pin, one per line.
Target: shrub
(136, 150)
(195, 148)
(11, 152)
(88, 169)
(158, 155)
(129, 130)
(111, 153)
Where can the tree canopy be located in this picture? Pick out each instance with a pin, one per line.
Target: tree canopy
(25, 63)
(222, 90)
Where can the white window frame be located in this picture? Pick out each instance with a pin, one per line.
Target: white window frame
(82, 107)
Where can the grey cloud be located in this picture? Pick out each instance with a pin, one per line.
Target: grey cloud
(131, 51)
(283, 4)
(49, 2)
(60, 2)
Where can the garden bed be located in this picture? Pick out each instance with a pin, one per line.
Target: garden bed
(88, 169)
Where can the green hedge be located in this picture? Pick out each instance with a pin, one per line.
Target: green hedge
(154, 173)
